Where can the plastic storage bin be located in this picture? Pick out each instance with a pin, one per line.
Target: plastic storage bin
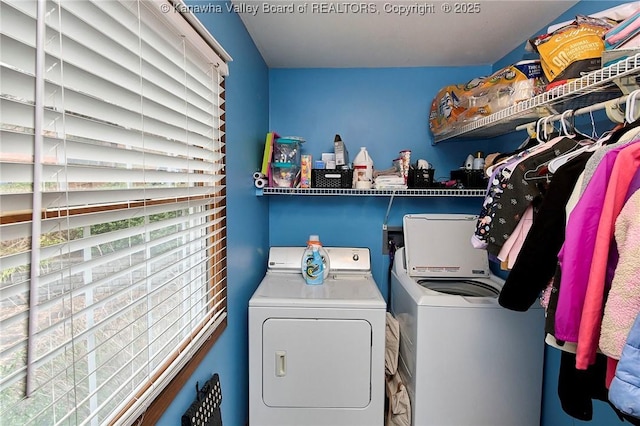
(471, 179)
(331, 178)
(287, 150)
(420, 178)
(284, 175)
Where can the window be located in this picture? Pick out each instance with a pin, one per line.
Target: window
(112, 196)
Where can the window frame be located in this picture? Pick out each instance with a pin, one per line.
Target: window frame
(151, 411)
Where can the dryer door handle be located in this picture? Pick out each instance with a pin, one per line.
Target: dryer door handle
(281, 363)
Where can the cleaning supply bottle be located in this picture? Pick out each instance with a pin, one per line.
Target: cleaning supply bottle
(314, 259)
(468, 163)
(362, 170)
(478, 161)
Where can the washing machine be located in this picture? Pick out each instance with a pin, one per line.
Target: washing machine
(464, 359)
(316, 352)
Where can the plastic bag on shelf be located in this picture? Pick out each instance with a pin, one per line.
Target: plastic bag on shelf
(446, 108)
(457, 105)
(504, 88)
(572, 50)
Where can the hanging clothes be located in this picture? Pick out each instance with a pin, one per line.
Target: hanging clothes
(577, 389)
(552, 307)
(624, 169)
(512, 247)
(620, 138)
(497, 183)
(522, 186)
(537, 260)
(511, 191)
(575, 194)
(576, 254)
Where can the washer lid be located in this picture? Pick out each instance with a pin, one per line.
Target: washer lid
(439, 245)
(337, 291)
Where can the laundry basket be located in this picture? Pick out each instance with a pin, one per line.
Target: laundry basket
(205, 410)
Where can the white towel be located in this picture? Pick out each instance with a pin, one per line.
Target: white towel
(392, 345)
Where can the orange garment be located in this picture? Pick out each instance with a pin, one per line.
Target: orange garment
(624, 169)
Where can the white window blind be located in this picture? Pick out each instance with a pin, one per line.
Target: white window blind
(112, 196)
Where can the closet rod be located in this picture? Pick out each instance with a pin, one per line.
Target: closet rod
(579, 111)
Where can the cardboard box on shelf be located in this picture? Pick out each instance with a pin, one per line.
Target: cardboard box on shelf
(305, 171)
(339, 148)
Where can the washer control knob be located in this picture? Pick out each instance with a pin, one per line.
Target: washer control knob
(356, 257)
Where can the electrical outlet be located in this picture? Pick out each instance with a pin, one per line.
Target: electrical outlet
(392, 234)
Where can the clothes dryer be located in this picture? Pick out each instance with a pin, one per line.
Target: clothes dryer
(316, 352)
(464, 359)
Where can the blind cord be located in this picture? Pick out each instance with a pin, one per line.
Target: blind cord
(36, 216)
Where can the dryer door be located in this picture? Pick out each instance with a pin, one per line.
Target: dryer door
(316, 363)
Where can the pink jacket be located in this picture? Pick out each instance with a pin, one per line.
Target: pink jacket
(624, 169)
(577, 251)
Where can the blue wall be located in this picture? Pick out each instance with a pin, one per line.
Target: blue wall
(385, 110)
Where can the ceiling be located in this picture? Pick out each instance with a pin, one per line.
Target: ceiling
(374, 33)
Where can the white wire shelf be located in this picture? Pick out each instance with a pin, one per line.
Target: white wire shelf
(426, 192)
(598, 86)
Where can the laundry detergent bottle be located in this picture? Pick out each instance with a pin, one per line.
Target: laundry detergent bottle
(314, 262)
(362, 170)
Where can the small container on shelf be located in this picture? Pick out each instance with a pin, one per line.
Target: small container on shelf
(420, 178)
(331, 178)
(287, 150)
(470, 179)
(305, 171)
(284, 175)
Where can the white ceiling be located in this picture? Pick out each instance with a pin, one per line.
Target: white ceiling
(370, 34)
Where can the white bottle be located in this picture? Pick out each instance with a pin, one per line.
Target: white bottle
(362, 170)
(468, 163)
(478, 161)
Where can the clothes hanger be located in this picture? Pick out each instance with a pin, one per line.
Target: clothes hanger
(564, 122)
(576, 133)
(554, 164)
(630, 106)
(548, 129)
(542, 127)
(539, 130)
(534, 174)
(630, 128)
(533, 134)
(629, 117)
(545, 128)
(541, 146)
